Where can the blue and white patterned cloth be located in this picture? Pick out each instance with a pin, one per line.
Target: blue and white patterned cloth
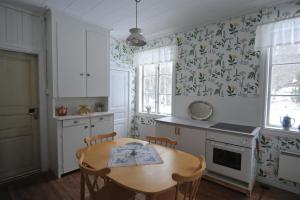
(144, 155)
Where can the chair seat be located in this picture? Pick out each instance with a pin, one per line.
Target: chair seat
(112, 191)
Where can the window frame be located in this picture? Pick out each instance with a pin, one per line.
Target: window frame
(140, 87)
(268, 93)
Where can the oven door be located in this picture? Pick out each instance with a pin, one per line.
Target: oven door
(228, 160)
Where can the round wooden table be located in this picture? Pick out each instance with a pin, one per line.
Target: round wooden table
(148, 179)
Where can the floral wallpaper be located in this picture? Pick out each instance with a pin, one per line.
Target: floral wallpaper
(270, 147)
(219, 60)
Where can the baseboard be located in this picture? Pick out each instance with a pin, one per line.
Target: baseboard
(278, 185)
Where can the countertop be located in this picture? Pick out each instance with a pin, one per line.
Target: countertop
(94, 114)
(201, 124)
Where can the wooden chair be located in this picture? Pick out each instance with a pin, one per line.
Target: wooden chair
(162, 141)
(99, 138)
(187, 186)
(98, 190)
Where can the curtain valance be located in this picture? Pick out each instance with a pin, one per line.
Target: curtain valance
(278, 33)
(154, 56)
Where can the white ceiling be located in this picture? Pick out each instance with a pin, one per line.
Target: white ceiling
(155, 17)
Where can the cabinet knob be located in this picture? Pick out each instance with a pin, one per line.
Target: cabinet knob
(88, 74)
(92, 125)
(75, 122)
(85, 126)
(81, 74)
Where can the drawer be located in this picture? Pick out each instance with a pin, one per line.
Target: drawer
(108, 118)
(75, 122)
(230, 138)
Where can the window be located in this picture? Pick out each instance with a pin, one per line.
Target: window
(281, 40)
(284, 84)
(156, 88)
(155, 79)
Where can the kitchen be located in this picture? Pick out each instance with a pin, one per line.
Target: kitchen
(135, 93)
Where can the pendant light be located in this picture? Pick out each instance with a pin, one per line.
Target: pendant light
(136, 38)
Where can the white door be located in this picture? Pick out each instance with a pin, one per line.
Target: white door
(71, 62)
(119, 104)
(102, 125)
(19, 135)
(73, 137)
(97, 48)
(191, 140)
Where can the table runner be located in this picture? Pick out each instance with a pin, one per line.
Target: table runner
(122, 156)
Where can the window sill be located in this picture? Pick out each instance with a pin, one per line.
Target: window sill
(277, 131)
(151, 115)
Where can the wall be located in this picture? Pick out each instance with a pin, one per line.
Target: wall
(217, 63)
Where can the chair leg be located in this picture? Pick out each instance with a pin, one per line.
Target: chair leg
(82, 186)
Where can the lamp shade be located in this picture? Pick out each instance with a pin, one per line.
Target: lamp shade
(136, 38)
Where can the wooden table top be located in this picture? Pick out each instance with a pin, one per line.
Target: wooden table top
(148, 179)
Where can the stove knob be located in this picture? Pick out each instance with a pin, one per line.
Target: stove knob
(244, 141)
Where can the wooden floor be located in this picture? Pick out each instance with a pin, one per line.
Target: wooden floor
(47, 187)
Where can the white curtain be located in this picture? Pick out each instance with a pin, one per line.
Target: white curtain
(283, 32)
(154, 56)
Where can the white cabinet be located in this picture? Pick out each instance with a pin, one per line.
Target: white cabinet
(102, 125)
(72, 139)
(82, 58)
(97, 61)
(70, 59)
(69, 137)
(191, 140)
(20, 30)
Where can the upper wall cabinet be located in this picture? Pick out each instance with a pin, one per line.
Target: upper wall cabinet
(97, 64)
(70, 59)
(81, 58)
(20, 30)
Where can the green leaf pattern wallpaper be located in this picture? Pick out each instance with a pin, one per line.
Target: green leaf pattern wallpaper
(219, 60)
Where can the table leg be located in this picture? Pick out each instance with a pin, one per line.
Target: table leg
(82, 186)
(150, 197)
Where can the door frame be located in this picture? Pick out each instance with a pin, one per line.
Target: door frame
(42, 93)
(117, 67)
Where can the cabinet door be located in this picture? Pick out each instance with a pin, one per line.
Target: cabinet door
(165, 130)
(191, 141)
(102, 125)
(70, 59)
(72, 139)
(97, 64)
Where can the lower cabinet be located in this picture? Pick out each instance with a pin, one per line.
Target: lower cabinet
(190, 140)
(72, 140)
(102, 125)
(71, 134)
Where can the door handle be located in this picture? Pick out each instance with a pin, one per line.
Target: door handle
(34, 112)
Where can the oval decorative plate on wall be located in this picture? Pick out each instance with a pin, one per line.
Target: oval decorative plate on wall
(200, 110)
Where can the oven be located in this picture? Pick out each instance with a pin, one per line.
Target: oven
(229, 160)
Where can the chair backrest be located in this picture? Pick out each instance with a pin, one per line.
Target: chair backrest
(99, 138)
(162, 141)
(92, 177)
(192, 183)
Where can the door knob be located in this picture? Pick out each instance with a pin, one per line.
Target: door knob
(34, 112)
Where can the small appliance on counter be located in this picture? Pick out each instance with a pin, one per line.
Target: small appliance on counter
(61, 111)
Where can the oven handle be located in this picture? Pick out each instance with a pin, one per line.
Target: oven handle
(228, 147)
